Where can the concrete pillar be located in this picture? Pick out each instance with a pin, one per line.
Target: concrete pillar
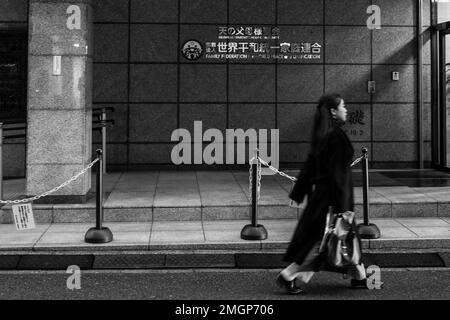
(59, 98)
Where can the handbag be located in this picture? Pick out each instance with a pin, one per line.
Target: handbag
(340, 245)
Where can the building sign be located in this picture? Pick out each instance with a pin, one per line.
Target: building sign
(254, 42)
(356, 117)
(357, 125)
(192, 50)
(249, 32)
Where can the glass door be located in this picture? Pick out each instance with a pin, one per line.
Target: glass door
(13, 75)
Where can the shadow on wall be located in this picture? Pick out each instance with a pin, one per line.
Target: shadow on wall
(403, 91)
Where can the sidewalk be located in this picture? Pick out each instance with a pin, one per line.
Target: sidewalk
(194, 219)
(408, 233)
(224, 195)
(409, 242)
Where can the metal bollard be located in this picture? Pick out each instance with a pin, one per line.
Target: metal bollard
(254, 231)
(1, 160)
(367, 230)
(99, 234)
(104, 139)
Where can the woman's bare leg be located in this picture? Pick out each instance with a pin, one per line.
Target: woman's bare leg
(357, 272)
(304, 271)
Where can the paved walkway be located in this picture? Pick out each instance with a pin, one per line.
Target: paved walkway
(407, 233)
(193, 219)
(224, 195)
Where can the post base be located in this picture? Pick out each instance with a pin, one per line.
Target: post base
(251, 232)
(368, 231)
(94, 235)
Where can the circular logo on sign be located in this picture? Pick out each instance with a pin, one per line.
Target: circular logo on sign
(275, 31)
(192, 50)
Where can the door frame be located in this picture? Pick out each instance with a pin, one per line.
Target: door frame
(438, 84)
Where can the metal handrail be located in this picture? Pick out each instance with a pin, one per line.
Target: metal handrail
(103, 122)
(14, 128)
(14, 136)
(102, 109)
(13, 121)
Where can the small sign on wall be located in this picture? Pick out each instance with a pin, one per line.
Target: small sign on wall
(23, 216)
(395, 75)
(56, 65)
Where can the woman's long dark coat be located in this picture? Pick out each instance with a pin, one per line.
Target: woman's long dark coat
(330, 174)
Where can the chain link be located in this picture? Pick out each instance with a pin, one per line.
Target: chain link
(277, 171)
(358, 160)
(258, 184)
(250, 179)
(75, 177)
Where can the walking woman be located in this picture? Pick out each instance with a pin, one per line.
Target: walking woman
(326, 181)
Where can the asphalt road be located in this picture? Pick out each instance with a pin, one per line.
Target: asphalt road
(214, 284)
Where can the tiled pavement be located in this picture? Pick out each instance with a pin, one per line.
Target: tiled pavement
(173, 219)
(224, 195)
(407, 233)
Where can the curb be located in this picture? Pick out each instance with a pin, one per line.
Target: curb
(198, 259)
(368, 245)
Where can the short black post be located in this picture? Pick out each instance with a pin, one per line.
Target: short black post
(99, 234)
(254, 231)
(104, 138)
(367, 230)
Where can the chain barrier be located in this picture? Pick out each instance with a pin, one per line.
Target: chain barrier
(358, 160)
(276, 170)
(281, 173)
(75, 177)
(250, 176)
(259, 170)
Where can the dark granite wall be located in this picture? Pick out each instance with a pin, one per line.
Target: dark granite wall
(155, 90)
(139, 71)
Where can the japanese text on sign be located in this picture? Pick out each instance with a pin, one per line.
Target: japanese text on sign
(247, 46)
(23, 216)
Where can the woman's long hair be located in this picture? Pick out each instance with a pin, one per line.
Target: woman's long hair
(323, 121)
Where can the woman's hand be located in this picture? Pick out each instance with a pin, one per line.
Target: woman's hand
(295, 204)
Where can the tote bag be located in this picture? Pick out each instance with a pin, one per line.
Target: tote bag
(340, 245)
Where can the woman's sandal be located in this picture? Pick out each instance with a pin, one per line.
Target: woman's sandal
(359, 283)
(289, 286)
